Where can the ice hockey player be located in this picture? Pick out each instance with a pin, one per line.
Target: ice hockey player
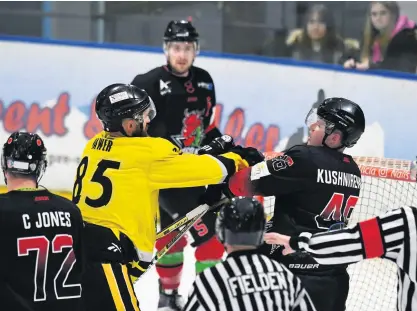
(391, 236)
(116, 187)
(185, 100)
(246, 280)
(316, 188)
(40, 234)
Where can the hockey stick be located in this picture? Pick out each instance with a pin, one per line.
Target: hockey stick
(191, 222)
(188, 217)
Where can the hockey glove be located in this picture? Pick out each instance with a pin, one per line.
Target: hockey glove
(218, 146)
(214, 193)
(249, 154)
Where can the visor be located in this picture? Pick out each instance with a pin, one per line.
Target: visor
(313, 118)
(150, 106)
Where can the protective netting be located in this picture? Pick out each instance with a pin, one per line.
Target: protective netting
(386, 184)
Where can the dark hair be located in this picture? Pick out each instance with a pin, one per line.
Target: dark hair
(370, 33)
(326, 16)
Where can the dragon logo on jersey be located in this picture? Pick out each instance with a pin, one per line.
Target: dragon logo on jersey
(192, 132)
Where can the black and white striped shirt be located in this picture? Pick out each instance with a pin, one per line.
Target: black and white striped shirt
(248, 281)
(392, 236)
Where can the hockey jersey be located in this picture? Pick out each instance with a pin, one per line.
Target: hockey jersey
(185, 106)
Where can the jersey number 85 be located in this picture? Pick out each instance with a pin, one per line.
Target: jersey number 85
(98, 177)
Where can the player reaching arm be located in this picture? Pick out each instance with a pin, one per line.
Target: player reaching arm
(116, 187)
(391, 236)
(185, 99)
(316, 187)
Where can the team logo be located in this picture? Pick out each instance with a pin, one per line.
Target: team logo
(192, 132)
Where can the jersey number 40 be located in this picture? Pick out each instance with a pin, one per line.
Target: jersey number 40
(42, 246)
(98, 177)
(335, 211)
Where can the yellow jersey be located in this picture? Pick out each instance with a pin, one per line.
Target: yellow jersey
(118, 181)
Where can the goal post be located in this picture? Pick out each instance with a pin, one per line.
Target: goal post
(386, 184)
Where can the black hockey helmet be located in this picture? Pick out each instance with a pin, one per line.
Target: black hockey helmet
(241, 222)
(339, 114)
(181, 30)
(119, 101)
(24, 154)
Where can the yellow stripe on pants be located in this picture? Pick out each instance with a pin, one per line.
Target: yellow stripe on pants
(114, 288)
(130, 288)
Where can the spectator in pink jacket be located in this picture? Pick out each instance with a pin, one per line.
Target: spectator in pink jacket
(389, 40)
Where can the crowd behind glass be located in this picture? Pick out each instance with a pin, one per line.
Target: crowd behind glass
(387, 41)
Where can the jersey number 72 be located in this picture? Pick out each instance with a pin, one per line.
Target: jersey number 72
(41, 245)
(98, 177)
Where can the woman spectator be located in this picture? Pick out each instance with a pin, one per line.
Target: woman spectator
(318, 40)
(389, 40)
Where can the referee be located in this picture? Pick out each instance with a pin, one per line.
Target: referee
(392, 236)
(246, 280)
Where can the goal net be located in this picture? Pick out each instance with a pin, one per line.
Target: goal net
(386, 184)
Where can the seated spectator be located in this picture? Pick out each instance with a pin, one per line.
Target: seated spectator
(318, 41)
(389, 40)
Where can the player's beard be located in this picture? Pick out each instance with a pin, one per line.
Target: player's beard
(141, 131)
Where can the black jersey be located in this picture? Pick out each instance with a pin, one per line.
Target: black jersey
(184, 105)
(41, 257)
(315, 189)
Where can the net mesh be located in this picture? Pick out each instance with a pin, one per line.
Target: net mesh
(386, 184)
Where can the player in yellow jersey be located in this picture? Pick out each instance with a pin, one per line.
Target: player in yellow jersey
(117, 185)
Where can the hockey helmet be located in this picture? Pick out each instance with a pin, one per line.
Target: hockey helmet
(339, 114)
(24, 154)
(241, 222)
(119, 101)
(181, 31)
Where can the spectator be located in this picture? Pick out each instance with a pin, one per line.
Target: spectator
(389, 40)
(318, 41)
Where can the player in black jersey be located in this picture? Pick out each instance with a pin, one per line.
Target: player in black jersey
(316, 187)
(185, 101)
(40, 235)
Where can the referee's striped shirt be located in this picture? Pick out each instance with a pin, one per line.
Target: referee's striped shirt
(248, 281)
(391, 236)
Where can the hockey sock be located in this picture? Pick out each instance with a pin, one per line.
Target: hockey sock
(169, 267)
(208, 254)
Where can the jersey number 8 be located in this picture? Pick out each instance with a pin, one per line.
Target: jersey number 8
(98, 177)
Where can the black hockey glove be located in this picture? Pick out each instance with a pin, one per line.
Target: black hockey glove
(218, 146)
(213, 195)
(251, 155)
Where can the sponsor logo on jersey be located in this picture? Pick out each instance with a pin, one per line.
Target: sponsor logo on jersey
(259, 170)
(282, 162)
(192, 132)
(205, 85)
(303, 266)
(164, 88)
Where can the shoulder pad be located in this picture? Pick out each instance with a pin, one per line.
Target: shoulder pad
(298, 149)
(294, 36)
(352, 44)
(201, 73)
(163, 148)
